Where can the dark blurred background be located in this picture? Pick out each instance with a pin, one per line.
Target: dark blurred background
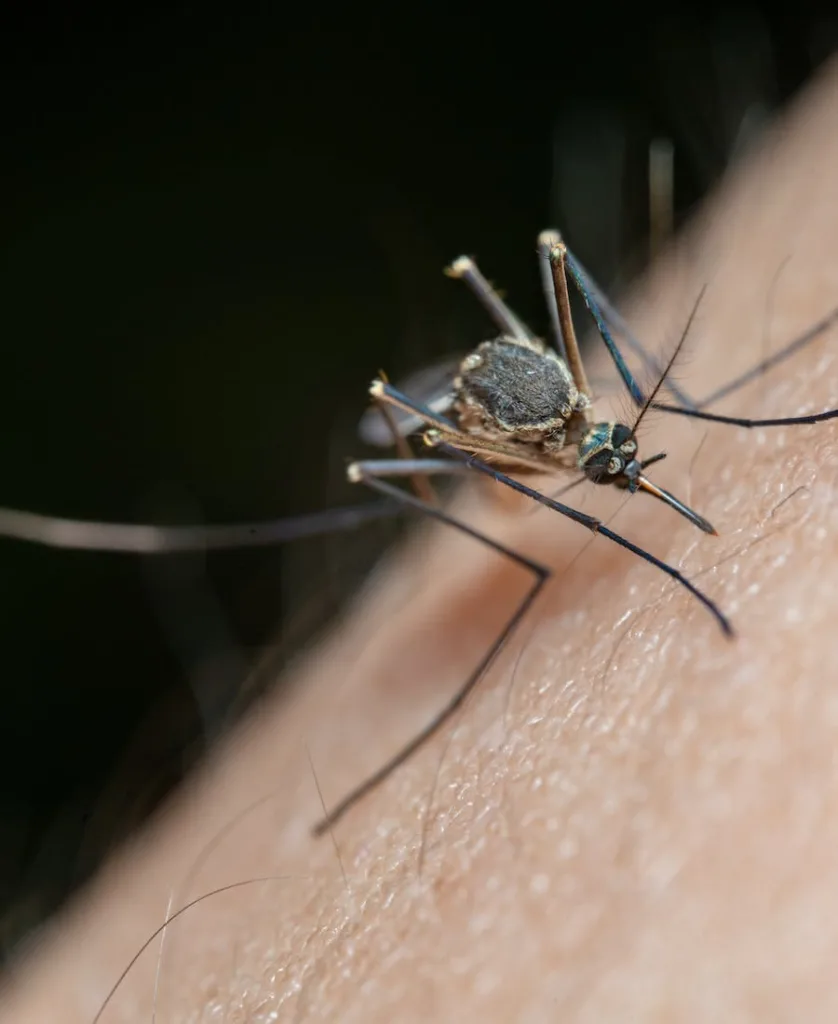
(215, 231)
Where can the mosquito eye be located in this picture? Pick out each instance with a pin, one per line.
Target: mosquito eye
(597, 467)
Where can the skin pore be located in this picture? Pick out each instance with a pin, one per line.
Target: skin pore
(633, 818)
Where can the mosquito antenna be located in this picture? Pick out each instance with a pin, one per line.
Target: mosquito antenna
(638, 480)
(618, 322)
(670, 363)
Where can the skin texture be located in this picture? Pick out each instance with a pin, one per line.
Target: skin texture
(633, 818)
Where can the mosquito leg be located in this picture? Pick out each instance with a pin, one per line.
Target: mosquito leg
(464, 268)
(547, 241)
(386, 393)
(369, 473)
(162, 540)
(593, 524)
(661, 194)
(563, 262)
(611, 313)
(467, 269)
(420, 483)
(358, 471)
(152, 540)
(778, 357)
(596, 303)
(143, 539)
(740, 421)
(381, 391)
(558, 255)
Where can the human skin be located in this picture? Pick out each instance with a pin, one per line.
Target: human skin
(633, 818)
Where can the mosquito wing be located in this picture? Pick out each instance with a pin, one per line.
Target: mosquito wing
(432, 386)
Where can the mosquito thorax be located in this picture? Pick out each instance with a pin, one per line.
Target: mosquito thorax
(607, 454)
(518, 388)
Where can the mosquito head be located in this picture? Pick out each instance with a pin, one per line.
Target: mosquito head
(605, 453)
(608, 455)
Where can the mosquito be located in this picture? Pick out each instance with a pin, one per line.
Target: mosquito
(515, 405)
(526, 406)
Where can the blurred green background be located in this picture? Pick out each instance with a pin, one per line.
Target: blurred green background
(215, 230)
